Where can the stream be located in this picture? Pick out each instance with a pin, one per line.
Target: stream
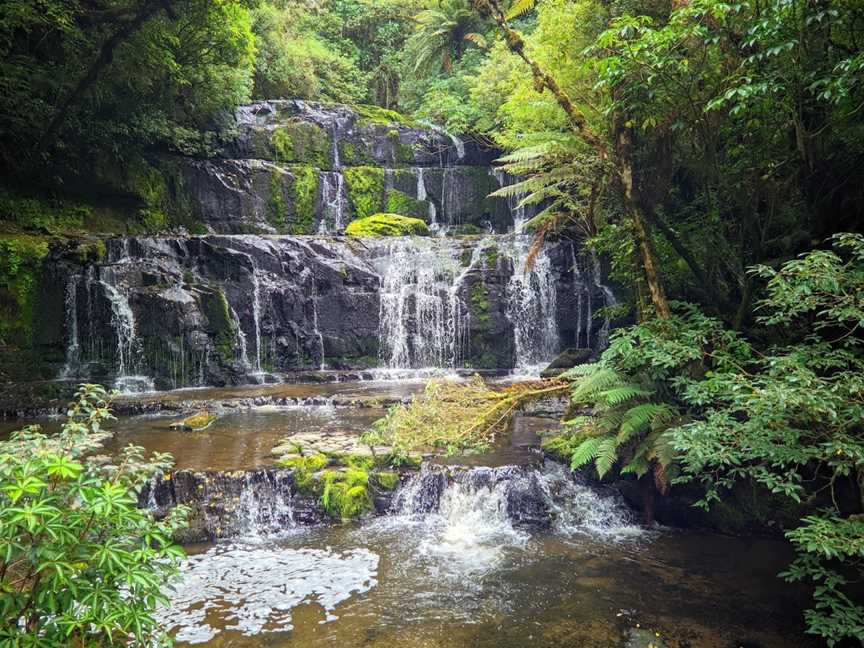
(452, 562)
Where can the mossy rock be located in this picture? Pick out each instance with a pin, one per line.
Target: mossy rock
(366, 190)
(387, 480)
(21, 267)
(195, 423)
(387, 225)
(302, 142)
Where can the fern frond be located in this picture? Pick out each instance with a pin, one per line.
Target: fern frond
(586, 452)
(595, 383)
(520, 8)
(619, 395)
(638, 466)
(607, 455)
(640, 419)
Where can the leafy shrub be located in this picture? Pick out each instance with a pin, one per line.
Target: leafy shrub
(80, 563)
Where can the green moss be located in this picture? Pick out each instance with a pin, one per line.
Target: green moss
(21, 264)
(305, 190)
(387, 225)
(480, 306)
(302, 142)
(345, 495)
(398, 202)
(276, 205)
(352, 155)
(90, 252)
(304, 471)
(365, 187)
(387, 480)
(215, 307)
(197, 422)
(490, 255)
(382, 116)
(465, 259)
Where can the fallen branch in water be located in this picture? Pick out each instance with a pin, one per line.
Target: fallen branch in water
(457, 416)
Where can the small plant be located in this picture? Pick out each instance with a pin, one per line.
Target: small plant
(80, 563)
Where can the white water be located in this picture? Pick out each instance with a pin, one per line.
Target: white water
(256, 316)
(423, 196)
(253, 589)
(423, 318)
(333, 201)
(70, 311)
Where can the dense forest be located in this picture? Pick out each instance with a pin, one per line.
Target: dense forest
(708, 152)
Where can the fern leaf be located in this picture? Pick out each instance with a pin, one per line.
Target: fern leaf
(607, 455)
(619, 395)
(586, 452)
(520, 8)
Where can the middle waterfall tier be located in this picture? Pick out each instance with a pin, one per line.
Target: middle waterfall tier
(211, 310)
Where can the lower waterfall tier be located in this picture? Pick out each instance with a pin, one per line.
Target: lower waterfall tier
(170, 312)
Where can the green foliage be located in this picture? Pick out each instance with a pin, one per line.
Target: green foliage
(453, 417)
(41, 216)
(164, 79)
(81, 563)
(305, 190)
(302, 142)
(383, 117)
(21, 262)
(398, 202)
(387, 480)
(387, 225)
(443, 31)
(480, 306)
(216, 309)
(305, 468)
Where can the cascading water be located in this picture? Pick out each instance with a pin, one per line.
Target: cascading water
(333, 202)
(470, 518)
(531, 305)
(256, 316)
(423, 318)
(73, 346)
(422, 196)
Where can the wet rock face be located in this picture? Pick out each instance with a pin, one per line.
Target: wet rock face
(216, 310)
(231, 504)
(296, 167)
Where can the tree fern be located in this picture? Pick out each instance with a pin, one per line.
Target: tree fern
(627, 424)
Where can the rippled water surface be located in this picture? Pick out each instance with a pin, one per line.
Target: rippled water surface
(465, 577)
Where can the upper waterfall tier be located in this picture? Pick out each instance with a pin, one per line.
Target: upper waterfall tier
(295, 167)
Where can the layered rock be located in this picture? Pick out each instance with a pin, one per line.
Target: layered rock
(296, 167)
(212, 310)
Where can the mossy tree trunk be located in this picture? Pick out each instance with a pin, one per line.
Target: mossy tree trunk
(621, 155)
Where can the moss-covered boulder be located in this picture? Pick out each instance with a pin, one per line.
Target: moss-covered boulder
(387, 225)
(196, 422)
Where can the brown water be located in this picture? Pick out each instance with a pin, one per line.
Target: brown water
(378, 585)
(462, 578)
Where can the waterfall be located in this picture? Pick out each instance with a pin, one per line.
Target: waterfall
(128, 350)
(70, 309)
(240, 347)
(423, 196)
(532, 304)
(333, 202)
(423, 318)
(307, 274)
(587, 278)
(266, 504)
(256, 316)
(472, 516)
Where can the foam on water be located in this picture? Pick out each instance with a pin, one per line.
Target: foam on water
(252, 589)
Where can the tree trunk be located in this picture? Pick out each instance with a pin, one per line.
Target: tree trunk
(623, 156)
(632, 204)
